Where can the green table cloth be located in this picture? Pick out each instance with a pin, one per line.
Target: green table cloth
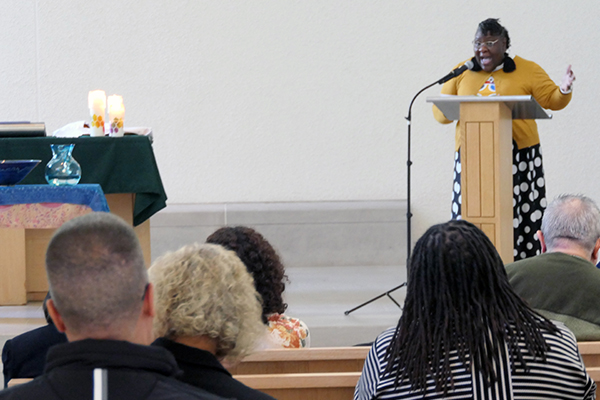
(118, 164)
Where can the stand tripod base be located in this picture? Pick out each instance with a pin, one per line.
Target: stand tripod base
(377, 298)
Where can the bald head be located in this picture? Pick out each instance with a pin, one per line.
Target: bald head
(97, 275)
(569, 221)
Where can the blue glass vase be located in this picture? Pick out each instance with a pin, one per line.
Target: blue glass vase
(62, 169)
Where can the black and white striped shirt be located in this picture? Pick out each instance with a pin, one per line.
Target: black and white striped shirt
(562, 376)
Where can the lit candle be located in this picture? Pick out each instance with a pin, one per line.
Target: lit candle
(97, 106)
(116, 114)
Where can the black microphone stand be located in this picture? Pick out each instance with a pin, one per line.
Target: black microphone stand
(408, 213)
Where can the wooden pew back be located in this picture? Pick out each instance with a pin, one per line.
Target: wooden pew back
(311, 360)
(590, 352)
(328, 372)
(314, 386)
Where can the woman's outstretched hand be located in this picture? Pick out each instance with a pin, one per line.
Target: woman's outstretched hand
(567, 82)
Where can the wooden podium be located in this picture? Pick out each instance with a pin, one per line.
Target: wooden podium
(486, 160)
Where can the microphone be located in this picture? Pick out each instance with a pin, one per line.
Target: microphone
(456, 72)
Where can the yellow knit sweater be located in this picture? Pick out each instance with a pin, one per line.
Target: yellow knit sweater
(527, 79)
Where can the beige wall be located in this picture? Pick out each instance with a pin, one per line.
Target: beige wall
(278, 100)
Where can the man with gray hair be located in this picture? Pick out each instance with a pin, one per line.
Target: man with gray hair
(563, 283)
(103, 302)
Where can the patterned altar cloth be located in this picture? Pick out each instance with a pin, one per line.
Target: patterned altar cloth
(48, 207)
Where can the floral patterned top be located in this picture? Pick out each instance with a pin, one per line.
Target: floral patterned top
(286, 332)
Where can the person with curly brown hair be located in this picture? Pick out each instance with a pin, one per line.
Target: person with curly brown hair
(263, 262)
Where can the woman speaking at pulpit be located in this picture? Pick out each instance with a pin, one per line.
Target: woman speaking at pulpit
(495, 73)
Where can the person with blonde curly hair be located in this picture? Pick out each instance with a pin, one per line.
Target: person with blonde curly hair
(207, 312)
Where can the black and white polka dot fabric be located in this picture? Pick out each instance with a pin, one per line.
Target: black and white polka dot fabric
(529, 198)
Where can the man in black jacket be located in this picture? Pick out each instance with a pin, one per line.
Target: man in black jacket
(102, 301)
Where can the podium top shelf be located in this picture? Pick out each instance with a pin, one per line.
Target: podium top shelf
(522, 107)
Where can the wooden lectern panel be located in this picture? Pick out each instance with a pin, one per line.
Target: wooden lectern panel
(489, 230)
(486, 162)
(480, 152)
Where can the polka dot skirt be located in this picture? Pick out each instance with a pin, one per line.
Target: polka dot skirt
(529, 198)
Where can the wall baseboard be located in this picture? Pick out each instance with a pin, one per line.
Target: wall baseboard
(319, 234)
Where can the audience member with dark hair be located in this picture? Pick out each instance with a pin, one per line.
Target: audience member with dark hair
(465, 334)
(563, 283)
(263, 262)
(102, 301)
(24, 356)
(207, 311)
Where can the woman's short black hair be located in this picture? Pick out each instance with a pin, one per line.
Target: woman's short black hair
(491, 26)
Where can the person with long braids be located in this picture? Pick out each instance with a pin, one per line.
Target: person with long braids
(465, 334)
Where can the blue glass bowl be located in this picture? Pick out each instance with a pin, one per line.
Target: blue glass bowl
(14, 171)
